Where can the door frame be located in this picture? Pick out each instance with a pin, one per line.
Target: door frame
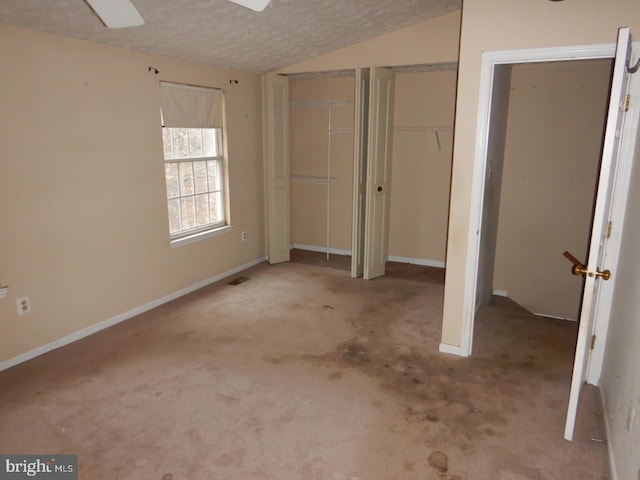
(489, 61)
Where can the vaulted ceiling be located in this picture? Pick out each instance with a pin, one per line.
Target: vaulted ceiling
(218, 32)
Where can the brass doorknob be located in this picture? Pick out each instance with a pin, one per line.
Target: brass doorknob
(580, 269)
(605, 275)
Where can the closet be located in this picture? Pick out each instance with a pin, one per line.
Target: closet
(321, 152)
(421, 163)
(321, 129)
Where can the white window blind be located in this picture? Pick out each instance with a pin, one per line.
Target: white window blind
(185, 106)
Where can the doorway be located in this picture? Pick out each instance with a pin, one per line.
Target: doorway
(492, 117)
(610, 203)
(549, 171)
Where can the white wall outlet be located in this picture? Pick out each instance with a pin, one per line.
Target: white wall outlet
(630, 417)
(244, 236)
(24, 305)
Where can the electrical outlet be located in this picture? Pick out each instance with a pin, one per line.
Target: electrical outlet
(244, 236)
(630, 416)
(24, 305)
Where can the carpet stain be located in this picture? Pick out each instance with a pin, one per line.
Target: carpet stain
(354, 353)
(374, 354)
(431, 417)
(434, 388)
(409, 466)
(275, 359)
(439, 461)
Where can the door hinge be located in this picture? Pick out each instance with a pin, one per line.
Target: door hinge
(593, 341)
(625, 104)
(609, 225)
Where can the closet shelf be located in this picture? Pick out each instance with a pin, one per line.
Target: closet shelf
(342, 130)
(423, 128)
(322, 103)
(312, 179)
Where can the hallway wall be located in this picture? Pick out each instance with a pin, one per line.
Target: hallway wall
(552, 155)
(490, 25)
(620, 380)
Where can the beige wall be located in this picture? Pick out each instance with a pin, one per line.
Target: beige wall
(432, 41)
(620, 381)
(554, 139)
(489, 25)
(492, 181)
(421, 173)
(82, 195)
(313, 155)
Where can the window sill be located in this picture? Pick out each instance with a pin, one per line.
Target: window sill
(178, 242)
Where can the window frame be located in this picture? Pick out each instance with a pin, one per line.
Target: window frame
(208, 230)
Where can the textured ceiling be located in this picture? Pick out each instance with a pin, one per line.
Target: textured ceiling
(218, 32)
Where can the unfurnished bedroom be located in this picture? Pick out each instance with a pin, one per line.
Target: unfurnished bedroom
(342, 240)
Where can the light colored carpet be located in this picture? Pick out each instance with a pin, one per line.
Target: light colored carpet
(301, 372)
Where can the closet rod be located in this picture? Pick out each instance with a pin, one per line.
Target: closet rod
(322, 103)
(342, 130)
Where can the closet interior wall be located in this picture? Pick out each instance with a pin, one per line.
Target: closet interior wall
(421, 165)
(551, 161)
(322, 118)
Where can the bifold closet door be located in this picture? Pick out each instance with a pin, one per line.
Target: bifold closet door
(360, 140)
(276, 114)
(378, 172)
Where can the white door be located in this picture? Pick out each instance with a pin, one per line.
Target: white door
(597, 260)
(360, 170)
(276, 138)
(378, 173)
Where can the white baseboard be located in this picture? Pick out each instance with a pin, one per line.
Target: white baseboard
(392, 258)
(554, 317)
(450, 349)
(504, 293)
(315, 248)
(607, 428)
(417, 261)
(85, 332)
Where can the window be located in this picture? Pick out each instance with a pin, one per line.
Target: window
(194, 161)
(193, 172)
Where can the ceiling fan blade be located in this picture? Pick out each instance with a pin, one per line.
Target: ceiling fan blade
(257, 5)
(117, 13)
